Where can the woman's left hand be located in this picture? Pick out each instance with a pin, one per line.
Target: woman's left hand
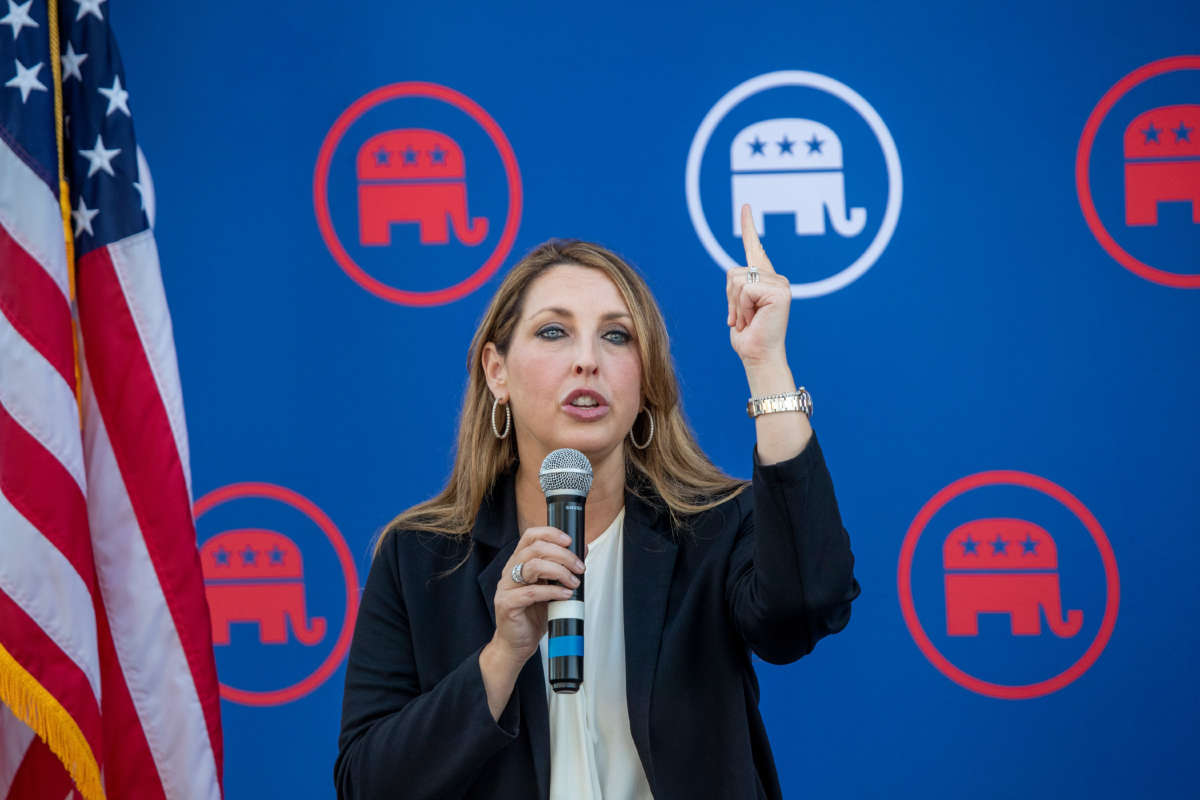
(758, 312)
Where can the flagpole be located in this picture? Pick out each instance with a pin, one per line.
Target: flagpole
(64, 189)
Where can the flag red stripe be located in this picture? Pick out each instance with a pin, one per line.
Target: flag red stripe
(36, 307)
(144, 447)
(129, 769)
(39, 487)
(52, 668)
(40, 776)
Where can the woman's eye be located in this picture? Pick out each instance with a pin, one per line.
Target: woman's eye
(551, 332)
(618, 337)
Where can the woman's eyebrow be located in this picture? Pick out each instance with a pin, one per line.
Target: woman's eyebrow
(563, 312)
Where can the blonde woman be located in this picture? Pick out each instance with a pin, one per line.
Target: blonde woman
(689, 571)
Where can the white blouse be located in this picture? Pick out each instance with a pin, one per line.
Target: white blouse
(592, 755)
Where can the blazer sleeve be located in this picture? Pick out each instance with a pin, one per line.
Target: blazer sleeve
(395, 739)
(791, 573)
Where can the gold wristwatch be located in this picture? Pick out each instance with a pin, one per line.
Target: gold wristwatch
(799, 400)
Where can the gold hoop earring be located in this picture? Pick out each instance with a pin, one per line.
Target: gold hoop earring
(649, 438)
(507, 419)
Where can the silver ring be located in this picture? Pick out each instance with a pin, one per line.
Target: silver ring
(752, 275)
(516, 573)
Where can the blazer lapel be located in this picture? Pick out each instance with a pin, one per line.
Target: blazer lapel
(496, 526)
(649, 563)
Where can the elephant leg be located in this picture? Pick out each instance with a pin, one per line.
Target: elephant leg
(435, 228)
(271, 627)
(374, 226)
(1025, 618)
(962, 616)
(1141, 194)
(220, 630)
(1192, 192)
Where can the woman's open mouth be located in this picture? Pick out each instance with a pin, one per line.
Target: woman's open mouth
(584, 404)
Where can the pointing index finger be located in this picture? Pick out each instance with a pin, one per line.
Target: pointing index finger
(756, 256)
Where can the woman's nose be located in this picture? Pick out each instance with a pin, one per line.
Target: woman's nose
(585, 360)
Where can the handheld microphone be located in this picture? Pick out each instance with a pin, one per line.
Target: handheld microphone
(566, 479)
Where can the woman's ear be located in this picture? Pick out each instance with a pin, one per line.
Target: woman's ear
(495, 372)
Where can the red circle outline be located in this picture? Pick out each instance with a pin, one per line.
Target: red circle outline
(321, 186)
(1083, 157)
(1073, 504)
(237, 491)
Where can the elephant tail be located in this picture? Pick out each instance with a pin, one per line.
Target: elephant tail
(1066, 630)
(475, 233)
(311, 633)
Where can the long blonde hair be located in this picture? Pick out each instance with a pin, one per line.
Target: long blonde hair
(673, 466)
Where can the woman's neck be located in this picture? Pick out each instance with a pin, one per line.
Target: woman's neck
(604, 501)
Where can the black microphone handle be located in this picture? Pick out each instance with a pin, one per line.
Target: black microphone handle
(564, 645)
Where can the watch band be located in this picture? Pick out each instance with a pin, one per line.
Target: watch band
(799, 400)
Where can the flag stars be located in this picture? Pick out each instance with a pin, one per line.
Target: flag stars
(970, 546)
(438, 155)
(756, 147)
(91, 7)
(99, 158)
(118, 98)
(249, 555)
(277, 555)
(999, 545)
(1029, 545)
(221, 556)
(1182, 133)
(27, 79)
(814, 144)
(785, 145)
(1151, 134)
(381, 157)
(18, 18)
(70, 63)
(410, 156)
(83, 217)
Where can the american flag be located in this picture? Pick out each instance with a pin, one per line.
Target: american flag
(107, 678)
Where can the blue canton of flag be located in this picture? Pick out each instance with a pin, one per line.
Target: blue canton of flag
(100, 150)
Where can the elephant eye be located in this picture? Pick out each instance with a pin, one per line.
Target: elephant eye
(551, 332)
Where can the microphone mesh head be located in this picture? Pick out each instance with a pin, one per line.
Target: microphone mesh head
(566, 470)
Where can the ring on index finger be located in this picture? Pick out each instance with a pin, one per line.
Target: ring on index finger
(517, 571)
(752, 275)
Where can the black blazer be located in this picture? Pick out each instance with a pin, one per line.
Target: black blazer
(768, 571)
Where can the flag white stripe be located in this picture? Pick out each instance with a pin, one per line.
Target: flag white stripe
(36, 396)
(15, 738)
(30, 213)
(46, 586)
(148, 648)
(135, 260)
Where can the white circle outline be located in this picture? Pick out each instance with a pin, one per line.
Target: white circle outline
(812, 80)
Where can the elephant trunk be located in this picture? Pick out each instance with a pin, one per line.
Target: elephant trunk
(1067, 629)
(851, 225)
(471, 234)
(310, 633)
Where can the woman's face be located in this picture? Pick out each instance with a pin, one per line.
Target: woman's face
(572, 372)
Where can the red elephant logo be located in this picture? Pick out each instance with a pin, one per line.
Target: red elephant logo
(414, 175)
(1004, 566)
(1162, 162)
(257, 576)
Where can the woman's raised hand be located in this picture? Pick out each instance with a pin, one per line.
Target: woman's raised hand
(758, 311)
(521, 607)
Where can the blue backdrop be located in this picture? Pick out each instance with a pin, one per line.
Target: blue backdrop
(1014, 341)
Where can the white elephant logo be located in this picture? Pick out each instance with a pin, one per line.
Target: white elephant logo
(792, 166)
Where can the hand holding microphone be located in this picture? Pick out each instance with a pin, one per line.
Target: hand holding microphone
(525, 606)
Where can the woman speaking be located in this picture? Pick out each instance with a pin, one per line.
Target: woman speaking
(688, 571)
